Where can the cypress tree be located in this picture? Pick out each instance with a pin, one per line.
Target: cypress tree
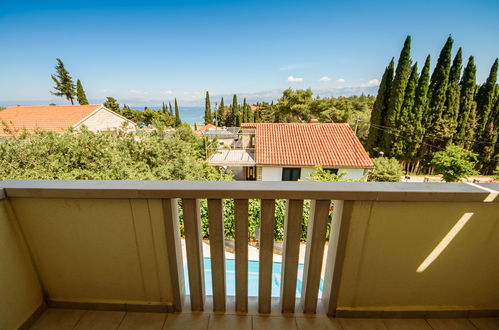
(403, 122)
(220, 113)
(490, 149)
(396, 97)
(64, 85)
(207, 109)
(486, 119)
(235, 119)
(379, 110)
(485, 100)
(80, 93)
(466, 123)
(417, 113)
(446, 124)
(245, 112)
(177, 115)
(171, 109)
(438, 85)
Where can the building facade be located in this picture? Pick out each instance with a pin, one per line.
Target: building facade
(292, 151)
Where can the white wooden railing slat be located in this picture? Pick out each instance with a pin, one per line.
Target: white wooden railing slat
(267, 218)
(174, 250)
(290, 255)
(217, 251)
(241, 251)
(314, 254)
(193, 241)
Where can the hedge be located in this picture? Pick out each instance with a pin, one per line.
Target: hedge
(253, 219)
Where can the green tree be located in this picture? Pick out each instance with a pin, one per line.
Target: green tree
(64, 85)
(294, 106)
(80, 93)
(466, 123)
(207, 109)
(170, 108)
(112, 104)
(454, 163)
(396, 98)
(84, 155)
(490, 148)
(416, 117)
(446, 124)
(246, 112)
(485, 102)
(177, 115)
(220, 114)
(387, 170)
(404, 122)
(438, 85)
(379, 110)
(234, 117)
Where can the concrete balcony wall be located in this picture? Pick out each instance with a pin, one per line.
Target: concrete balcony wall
(388, 242)
(109, 251)
(20, 290)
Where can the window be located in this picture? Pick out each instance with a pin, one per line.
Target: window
(331, 170)
(291, 174)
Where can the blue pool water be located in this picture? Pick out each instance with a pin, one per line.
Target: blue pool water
(230, 275)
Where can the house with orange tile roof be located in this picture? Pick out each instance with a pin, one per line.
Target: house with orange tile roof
(291, 152)
(59, 118)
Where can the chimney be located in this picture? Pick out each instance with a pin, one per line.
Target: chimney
(313, 121)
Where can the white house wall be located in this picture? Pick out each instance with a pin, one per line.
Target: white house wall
(271, 173)
(104, 120)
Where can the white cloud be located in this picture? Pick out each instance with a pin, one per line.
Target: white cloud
(341, 80)
(168, 92)
(373, 82)
(290, 67)
(325, 78)
(295, 79)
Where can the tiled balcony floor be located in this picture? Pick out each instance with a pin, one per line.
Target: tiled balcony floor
(55, 319)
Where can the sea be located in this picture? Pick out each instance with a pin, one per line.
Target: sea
(191, 115)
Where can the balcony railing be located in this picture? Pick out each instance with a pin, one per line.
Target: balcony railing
(395, 249)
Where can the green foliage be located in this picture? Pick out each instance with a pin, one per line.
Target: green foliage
(253, 219)
(80, 93)
(64, 85)
(112, 104)
(177, 115)
(467, 104)
(207, 110)
(454, 163)
(84, 155)
(496, 173)
(326, 175)
(387, 170)
(485, 99)
(397, 90)
(438, 84)
(446, 124)
(379, 110)
(440, 110)
(294, 106)
(404, 121)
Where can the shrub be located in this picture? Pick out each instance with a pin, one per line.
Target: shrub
(454, 163)
(387, 170)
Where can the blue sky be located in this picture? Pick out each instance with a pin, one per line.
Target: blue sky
(144, 52)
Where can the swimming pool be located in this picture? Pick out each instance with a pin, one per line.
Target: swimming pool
(230, 275)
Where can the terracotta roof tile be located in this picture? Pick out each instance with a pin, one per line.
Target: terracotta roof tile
(56, 118)
(308, 145)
